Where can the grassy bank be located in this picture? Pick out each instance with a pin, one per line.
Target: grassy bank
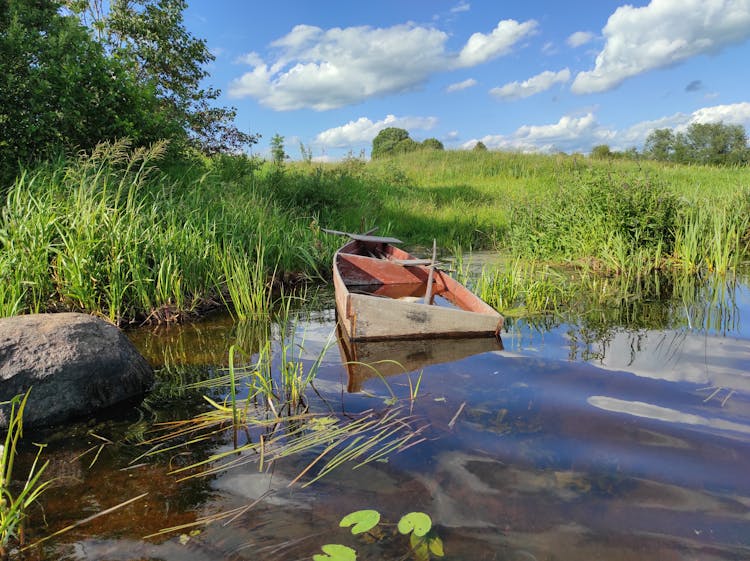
(109, 233)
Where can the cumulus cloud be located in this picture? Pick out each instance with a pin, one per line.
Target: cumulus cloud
(458, 86)
(581, 133)
(579, 38)
(363, 130)
(325, 69)
(568, 134)
(481, 47)
(663, 33)
(534, 85)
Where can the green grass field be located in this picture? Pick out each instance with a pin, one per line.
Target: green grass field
(114, 235)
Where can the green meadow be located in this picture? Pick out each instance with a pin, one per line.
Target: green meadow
(121, 234)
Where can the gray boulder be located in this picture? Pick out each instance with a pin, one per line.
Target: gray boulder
(76, 363)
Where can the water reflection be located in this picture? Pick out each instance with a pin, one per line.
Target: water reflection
(596, 435)
(379, 359)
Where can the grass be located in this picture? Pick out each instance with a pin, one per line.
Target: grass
(110, 233)
(15, 503)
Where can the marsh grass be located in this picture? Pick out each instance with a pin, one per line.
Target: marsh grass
(14, 502)
(111, 234)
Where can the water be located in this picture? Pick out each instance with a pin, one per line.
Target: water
(580, 439)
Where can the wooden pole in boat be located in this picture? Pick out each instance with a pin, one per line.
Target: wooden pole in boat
(428, 293)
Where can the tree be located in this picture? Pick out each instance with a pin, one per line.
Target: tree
(479, 147)
(717, 143)
(148, 38)
(277, 150)
(59, 91)
(601, 152)
(432, 144)
(660, 145)
(388, 140)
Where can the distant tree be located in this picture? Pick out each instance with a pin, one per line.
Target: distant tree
(717, 143)
(278, 155)
(601, 152)
(660, 145)
(703, 143)
(479, 147)
(432, 144)
(389, 141)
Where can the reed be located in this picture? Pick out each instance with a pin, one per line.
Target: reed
(15, 503)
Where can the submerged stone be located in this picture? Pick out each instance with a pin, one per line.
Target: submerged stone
(76, 365)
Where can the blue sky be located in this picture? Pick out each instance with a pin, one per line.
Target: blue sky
(532, 76)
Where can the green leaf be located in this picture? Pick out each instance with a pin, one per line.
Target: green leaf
(436, 546)
(418, 522)
(419, 547)
(363, 520)
(336, 552)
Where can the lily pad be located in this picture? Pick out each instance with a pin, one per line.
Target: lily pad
(417, 522)
(361, 520)
(336, 552)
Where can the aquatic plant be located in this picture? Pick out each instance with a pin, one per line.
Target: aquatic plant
(14, 504)
(424, 543)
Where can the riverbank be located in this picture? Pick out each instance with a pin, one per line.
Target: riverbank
(116, 235)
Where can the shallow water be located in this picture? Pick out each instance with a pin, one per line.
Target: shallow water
(574, 441)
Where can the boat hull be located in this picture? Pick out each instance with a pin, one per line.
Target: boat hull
(375, 298)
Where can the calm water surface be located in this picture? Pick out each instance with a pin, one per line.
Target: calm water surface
(576, 440)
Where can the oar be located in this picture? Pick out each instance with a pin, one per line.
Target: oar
(428, 294)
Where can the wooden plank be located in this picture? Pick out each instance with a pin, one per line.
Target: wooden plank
(428, 292)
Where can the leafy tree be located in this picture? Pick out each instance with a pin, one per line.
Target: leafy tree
(717, 143)
(432, 144)
(58, 89)
(479, 147)
(149, 39)
(660, 144)
(704, 143)
(601, 152)
(387, 141)
(278, 155)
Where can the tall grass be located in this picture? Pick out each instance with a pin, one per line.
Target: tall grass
(109, 233)
(14, 503)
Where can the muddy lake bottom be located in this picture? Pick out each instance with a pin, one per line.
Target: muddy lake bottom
(633, 444)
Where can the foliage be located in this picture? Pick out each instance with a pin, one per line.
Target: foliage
(14, 506)
(277, 150)
(479, 147)
(423, 541)
(108, 233)
(148, 38)
(432, 144)
(59, 90)
(601, 152)
(702, 143)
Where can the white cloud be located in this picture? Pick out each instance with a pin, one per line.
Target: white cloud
(325, 69)
(481, 48)
(581, 133)
(534, 85)
(363, 130)
(734, 114)
(663, 33)
(458, 86)
(579, 38)
(461, 7)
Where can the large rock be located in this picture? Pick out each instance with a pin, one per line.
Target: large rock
(76, 363)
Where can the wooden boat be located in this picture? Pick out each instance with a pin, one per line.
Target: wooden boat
(374, 359)
(381, 292)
